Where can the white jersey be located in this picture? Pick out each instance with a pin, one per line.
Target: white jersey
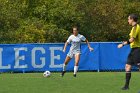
(75, 42)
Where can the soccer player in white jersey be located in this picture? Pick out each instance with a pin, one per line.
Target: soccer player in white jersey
(75, 39)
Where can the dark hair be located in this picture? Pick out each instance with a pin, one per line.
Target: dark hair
(75, 27)
(134, 17)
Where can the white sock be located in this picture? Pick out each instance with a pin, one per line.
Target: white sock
(75, 69)
(64, 67)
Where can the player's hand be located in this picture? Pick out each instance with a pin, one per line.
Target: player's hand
(64, 50)
(91, 49)
(120, 45)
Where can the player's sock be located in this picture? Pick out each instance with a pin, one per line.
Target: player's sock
(75, 69)
(64, 67)
(128, 77)
(64, 70)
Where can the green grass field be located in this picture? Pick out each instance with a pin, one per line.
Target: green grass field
(85, 82)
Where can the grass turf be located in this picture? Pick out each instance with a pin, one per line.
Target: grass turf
(85, 82)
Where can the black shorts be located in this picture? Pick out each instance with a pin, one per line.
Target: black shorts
(134, 57)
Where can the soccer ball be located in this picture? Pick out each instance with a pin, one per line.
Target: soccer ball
(47, 74)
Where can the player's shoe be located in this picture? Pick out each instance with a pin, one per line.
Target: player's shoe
(125, 88)
(74, 75)
(62, 74)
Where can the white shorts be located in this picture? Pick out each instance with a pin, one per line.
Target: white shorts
(72, 53)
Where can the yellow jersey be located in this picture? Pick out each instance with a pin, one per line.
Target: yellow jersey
(135, 33)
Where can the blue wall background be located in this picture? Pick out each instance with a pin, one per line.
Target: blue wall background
(41, 57)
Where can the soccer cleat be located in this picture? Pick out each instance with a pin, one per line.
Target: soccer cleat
(125, 88)
(62, 74)
(74, 75)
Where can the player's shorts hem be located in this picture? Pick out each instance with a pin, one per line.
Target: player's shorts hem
(71, 54)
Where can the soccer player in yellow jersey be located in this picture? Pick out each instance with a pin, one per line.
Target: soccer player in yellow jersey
(134, 41)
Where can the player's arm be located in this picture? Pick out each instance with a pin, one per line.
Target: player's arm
(132, 39)
(126, 42)
(65, 46)
(90, 48)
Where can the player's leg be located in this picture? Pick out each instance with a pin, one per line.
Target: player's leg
(65, 65)
(128, 76)
(66, 62)
(67, 59)
(77, 58)
(128, 66)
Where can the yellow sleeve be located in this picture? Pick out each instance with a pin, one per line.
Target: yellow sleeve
(134, 32)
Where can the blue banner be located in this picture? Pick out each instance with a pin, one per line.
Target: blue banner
(112, 58)
(41, 57)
